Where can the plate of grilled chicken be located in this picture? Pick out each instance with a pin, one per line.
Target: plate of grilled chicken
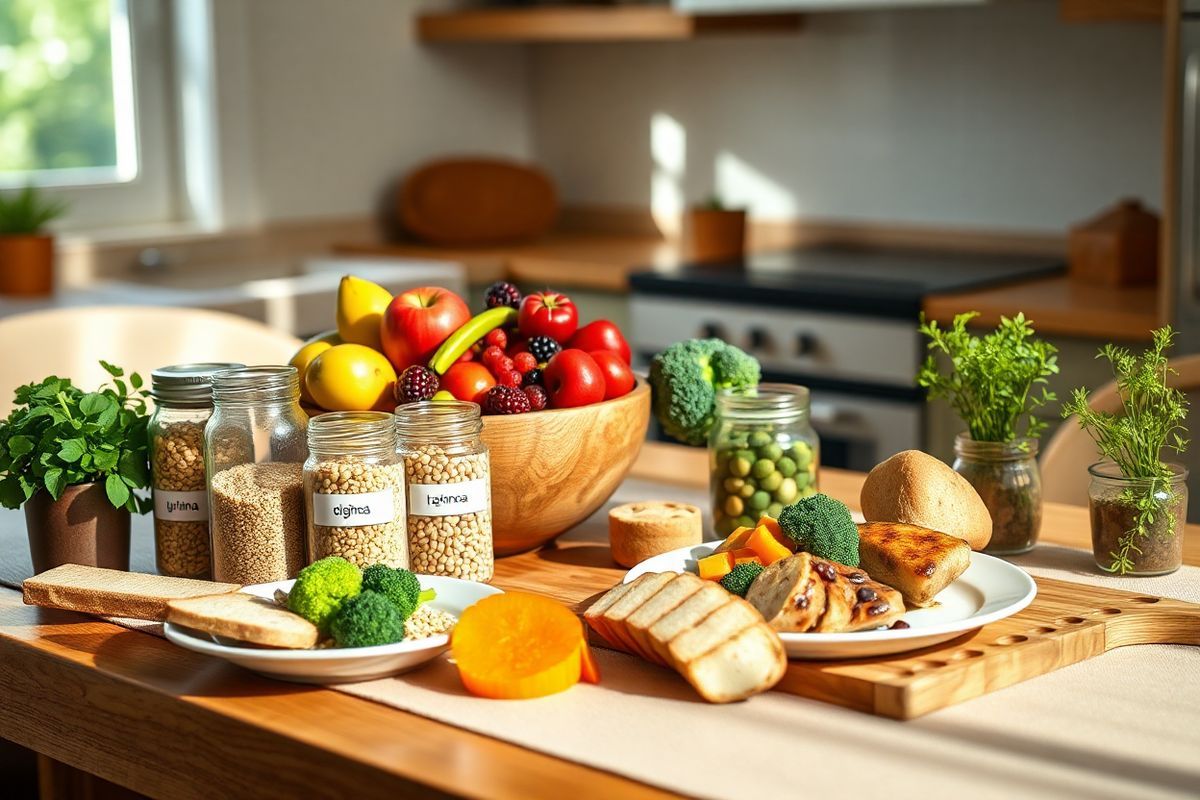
(913, 587)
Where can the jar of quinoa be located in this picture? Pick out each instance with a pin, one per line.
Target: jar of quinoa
(449, 482)
(182, 405)
(255, 448)
(354, 489)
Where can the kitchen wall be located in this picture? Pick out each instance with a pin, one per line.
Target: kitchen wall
(997, 117)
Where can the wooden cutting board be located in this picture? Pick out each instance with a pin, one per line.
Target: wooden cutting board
(1065, 624)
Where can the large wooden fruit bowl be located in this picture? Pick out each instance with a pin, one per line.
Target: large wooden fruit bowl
(552, 469)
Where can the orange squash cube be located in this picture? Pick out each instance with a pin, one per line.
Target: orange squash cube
(772, 524)
(746, 556)
(768, 548)
(716, 566)
(735, 540)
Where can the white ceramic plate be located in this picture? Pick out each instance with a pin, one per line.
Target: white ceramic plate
(337, 665)
(991, 589)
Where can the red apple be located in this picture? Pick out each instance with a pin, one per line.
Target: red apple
(618, 377)
(467, 380)
(601, 335)
(548, 314)
(419, 320)
(573, 378)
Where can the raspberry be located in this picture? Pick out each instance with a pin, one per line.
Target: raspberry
(544, 348)
(537, 397)
(496, 338)
(509, 378)
(505, 364)
(523, 362)
(505, 400)
(416, 383)
(502, 293)
(533, 378)
(491, 355)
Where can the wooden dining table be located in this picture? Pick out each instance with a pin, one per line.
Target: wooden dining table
(142, 713)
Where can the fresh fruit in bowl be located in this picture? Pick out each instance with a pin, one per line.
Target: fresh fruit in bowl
(360, 306)
(618, 377)
(416, 323)
(548, 314)
(467, 381)
(601, 335)
(350, 377)
(301, 361)
(573, 378)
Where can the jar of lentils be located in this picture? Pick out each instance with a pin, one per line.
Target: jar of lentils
(449, 480)
(255, 448)
(354, 489)
(182, 405)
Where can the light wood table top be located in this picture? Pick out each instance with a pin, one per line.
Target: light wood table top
(140, 712)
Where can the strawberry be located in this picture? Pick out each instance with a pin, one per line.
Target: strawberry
(496, 338)
(523, 362)
(491, 356)
(509, 378)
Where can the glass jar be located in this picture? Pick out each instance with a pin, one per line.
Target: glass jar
(449, 480)
(354, 489)
(763, 453)
(1113, 502)
(182, 405)
(255, 448)
(1007, 478)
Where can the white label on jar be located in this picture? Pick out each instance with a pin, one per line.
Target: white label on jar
(353, 510)
(447, 499)
(181, 506)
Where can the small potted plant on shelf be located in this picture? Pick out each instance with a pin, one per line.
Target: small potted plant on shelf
(74, 459)
(26, 250)
(1138, 502)
(995, 383)
(718, 233)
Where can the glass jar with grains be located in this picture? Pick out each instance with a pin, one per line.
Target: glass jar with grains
(255, 447)
(182, 405)
(763, 453)
(354, 489)
(449, 480)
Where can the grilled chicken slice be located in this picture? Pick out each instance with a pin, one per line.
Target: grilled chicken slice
(875, 604)
(839, 597)
(918, 561)
(790, 594)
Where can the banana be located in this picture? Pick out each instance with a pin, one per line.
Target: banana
(472, 331)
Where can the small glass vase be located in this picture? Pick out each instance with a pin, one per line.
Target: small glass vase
(1112, 501)
(1007, 478)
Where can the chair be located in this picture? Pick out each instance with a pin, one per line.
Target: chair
(69, 342)
(1071, 450)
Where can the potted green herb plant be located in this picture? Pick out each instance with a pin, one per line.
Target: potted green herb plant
(995, 383)
(74, 459)
(1138, 502)
(26, 250)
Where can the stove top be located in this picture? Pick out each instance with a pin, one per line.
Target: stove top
(874, 282)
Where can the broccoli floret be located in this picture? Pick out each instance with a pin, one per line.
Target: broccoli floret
(366, 620)
(399, 586)
(822, 526)
(737, 580)
(322, 587)
(685, 379)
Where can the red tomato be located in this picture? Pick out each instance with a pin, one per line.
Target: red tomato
(618, 377)
(418, 321)
(601, 335)
(573, 378)
(548, 314)
(467, 380)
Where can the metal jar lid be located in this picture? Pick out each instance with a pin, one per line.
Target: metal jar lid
(186, 385)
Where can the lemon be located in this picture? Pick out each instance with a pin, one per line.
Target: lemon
(304, 356)
(360, 307)
(351, 377)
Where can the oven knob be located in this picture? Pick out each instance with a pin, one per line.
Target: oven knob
(806, 344)
(711, 330)
(760, 339)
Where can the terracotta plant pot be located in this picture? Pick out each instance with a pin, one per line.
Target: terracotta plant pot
(26, 265)
(81, 527)
(717, 235)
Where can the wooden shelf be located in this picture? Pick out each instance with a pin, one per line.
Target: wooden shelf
(591, 24)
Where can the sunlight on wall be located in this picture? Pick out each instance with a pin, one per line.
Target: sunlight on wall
(740, 185)
(668, 150)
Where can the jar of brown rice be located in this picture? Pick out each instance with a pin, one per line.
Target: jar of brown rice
(354, 489)
(449, 481)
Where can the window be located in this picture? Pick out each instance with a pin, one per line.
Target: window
(84, 107)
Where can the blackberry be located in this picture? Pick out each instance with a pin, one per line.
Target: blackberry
(543, 348)
(502, 293)
(538, 399)
(505, 400)
(532, 378)
(416, 383)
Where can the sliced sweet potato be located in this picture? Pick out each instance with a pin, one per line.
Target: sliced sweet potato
(769, 550)
(716, 566)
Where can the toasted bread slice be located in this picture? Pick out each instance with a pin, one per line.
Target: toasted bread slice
(668, 598)
(644, 587)
(789, 594)
(687, 615)
(113, 592)
(594, 615)
(919, 562)
(244, 617)
(750, 663)
(714, 630)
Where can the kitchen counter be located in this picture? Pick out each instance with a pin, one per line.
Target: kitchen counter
(134, 709)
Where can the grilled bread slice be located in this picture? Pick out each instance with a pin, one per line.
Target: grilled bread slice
(690, 613)
(243, 617)
(789, 594)
(114, 593)
(717, 628)
(917, 561)
(746, 665)
(644, 587)
(875, 604)
(594, 615)
(668, 598)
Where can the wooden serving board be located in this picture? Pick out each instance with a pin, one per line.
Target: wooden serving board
(1065, 624)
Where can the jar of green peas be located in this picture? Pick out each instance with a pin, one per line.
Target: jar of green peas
(763, 453)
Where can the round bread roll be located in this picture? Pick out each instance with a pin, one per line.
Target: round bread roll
(637, 531)
(918, 489)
